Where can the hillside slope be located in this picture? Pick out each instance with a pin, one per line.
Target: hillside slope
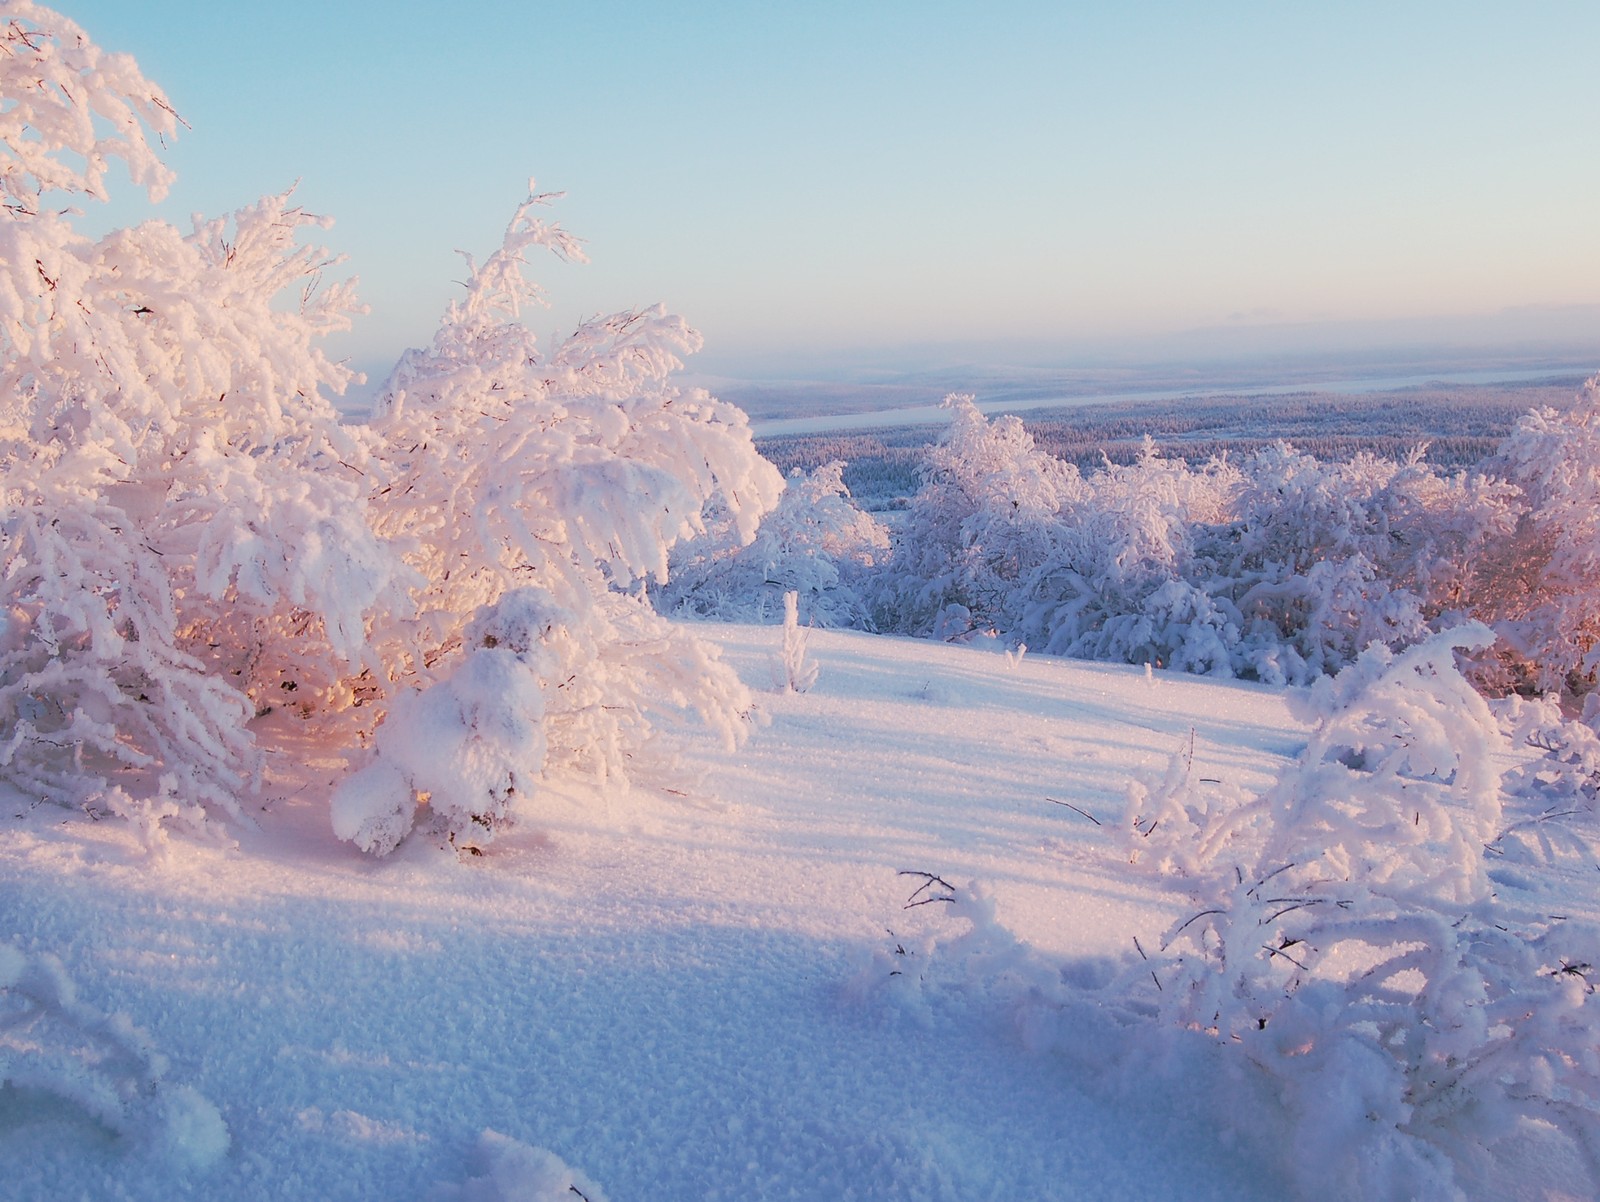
(677, 996)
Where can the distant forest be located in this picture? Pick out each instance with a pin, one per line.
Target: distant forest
(1461, 426)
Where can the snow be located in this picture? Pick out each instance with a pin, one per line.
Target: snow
(648, 996)
(877, 932)
(652, 990)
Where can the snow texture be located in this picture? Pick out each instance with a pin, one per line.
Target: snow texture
(511, 1171)
(697, 996)
(56, 1049)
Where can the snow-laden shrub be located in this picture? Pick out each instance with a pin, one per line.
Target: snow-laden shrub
(982, 521)
(497, 467)
(190, 536)
(54, 1044)
(1003, 536)
(1171, 817)
(181, 503)
(1551, 800)
(815, 543)
(64, 93)
(468, 744)
(1349, 945)
(1540, 587)
(1280, 568)
(1321, 560)
(1121, 582)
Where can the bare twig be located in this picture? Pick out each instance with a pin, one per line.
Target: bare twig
(1167, 941)
(1264, 879)
(1075, 809)
(1279, 951)
(1298, 905)
(929, 880)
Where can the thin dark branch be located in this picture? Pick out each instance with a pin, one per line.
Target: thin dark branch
(929, 880)
(1186, 922)
(1299, 905)
(1075, 809)
(1278, 951)
(1268, 877)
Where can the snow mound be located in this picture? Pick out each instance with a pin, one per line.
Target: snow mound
(512, 1171)
(52, 1044)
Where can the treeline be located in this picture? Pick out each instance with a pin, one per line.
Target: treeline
(1275, 565)
(1461, 427)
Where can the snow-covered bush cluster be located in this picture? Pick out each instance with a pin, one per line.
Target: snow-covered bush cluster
(1344, 946)
(1348, 941)
(815, 543)
(191, 537)
(1541, 586)
(1277, 567)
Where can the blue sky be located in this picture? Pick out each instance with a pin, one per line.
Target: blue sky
(810, 182)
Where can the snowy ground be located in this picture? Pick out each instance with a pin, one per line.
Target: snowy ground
(675, 996)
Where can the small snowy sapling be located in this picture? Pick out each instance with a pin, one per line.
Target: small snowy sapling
(795, 671)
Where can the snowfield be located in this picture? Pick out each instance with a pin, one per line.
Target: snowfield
(649, 996)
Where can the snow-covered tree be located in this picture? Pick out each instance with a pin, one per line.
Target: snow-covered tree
(191, 536)
(180, 499)
(1321, 560)
(1540, 586)
(983, 519)
(1121, 582)
(498, 468)
(816, 543)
